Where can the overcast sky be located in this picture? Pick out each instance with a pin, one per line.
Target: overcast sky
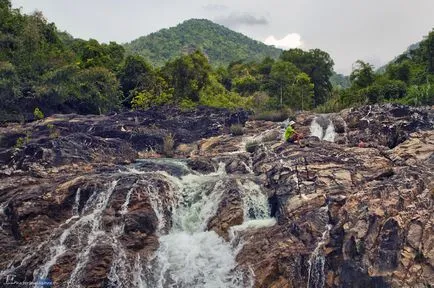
(371, 30)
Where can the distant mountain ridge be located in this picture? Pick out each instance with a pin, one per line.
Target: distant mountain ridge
(221, 45)
(410, 48)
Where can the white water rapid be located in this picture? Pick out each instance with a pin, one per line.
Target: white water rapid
(188, 255)
(323, 128)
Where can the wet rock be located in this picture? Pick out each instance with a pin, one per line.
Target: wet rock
(366, 211)
(201, 165)
(98, 268)
(229, 213)
(63, 268)
(141, 222)
(384, 125)
(353, 276)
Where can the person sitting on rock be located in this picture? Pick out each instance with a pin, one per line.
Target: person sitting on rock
(291, 136)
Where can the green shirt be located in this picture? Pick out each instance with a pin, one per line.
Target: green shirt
(289, 132)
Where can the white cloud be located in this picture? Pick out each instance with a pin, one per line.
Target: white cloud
(292, 40)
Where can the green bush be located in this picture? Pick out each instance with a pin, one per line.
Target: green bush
(54, 132)
(215, 95)
(145, 99)
(419, 95)
(251, 146)
(237, 129)
(187, 104)
(22, 141)
(38, 114)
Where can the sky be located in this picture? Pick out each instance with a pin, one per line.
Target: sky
(371, 30)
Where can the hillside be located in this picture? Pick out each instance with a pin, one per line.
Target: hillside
(219, 43)
(339, 80)
(406, 53)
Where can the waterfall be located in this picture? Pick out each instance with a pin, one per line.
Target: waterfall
(188, 255)
(98, 202)
(323, 128)
(316, 276)
(255, 207)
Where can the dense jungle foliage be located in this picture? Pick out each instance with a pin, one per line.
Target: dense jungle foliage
(45, 71)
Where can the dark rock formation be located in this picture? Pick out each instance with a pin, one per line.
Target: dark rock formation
(365, 213)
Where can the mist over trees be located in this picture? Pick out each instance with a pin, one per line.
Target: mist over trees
(45, 69)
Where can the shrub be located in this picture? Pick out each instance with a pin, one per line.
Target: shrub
(38, 114)
(168, 145)
(21, 141)
(54, 132)
(146, 99)
(215, 95)
(251, 146)
(187, 104)
(418, 95)
(237, 129)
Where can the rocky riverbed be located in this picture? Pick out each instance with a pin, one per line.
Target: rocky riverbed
(351, 205)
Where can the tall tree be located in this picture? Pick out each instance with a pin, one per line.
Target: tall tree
(187, 75)
(283, 77)
(318, 65)
(428, 47)
(135, 75)
(362, 75)
(305, 89)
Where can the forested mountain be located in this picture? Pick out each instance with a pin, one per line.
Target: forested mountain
(408, 79)
(220, 44)
(410, 48)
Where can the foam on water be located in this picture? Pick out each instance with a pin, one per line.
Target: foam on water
(190, 256)
(323, 128)
(200, 259)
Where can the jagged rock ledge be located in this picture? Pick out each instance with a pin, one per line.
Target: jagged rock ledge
(371, 207)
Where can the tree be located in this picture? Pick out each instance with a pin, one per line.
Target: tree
(428, 50)
(399, 71)
(318, 65)
(283, 76)
(187, 75)
(215, 95)
(306, 88)
(92, 54)
(10, 92)
(135, 75)
(362, 75)
(246, 85)
(85, 91)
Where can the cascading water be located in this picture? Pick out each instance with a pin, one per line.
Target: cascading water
(323, 128)
(316, 275)
(188, 254)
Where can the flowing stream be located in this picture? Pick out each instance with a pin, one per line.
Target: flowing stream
(323, 128)
(316, 275)
(188, 255)
(191, 256)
